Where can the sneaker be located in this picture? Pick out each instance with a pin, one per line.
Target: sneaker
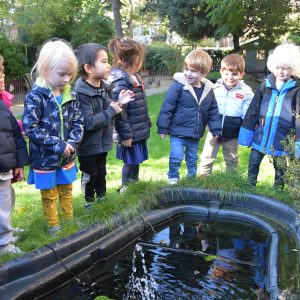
(10, 249)
(172, 181)
(53, 230)
(123, 189)
(88, 204)
(15, 239)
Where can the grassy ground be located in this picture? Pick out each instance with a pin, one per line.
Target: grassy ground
(28, 213)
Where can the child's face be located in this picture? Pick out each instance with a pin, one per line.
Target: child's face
(101, 68)
(231, 78)
(60, 75)
(282, 74)
(192, 76)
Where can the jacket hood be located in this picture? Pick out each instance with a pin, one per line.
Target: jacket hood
(83, 87)
(240, 85)
(68, 94)
(186, 86)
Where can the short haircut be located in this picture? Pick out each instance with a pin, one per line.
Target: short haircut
(199, 60)
(233, 63)
(285, 56)
(127, 53)
(87, 55)
(50, 55)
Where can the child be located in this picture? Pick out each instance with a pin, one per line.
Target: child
(133, 124)
(99, 111)
(13, 157)
(54, 125)
(233, 97)
(271, 114)
(189, 106)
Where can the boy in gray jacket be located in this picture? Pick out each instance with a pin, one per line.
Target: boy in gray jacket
(233, 97)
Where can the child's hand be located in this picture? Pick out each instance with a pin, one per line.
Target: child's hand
(127, 143)
(162, 136)
(116, 107)
(18, 174)
(125, 97)
(68, 150)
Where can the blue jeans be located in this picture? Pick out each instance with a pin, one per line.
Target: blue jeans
(253, 168)
(181, 146)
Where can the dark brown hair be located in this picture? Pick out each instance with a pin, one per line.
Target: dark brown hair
(127, 54)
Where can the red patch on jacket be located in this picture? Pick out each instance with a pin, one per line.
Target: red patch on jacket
(239, 96)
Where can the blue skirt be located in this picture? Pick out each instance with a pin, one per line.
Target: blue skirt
(44, 180)
(133, 155)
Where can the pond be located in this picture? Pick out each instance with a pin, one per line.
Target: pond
(187, 258)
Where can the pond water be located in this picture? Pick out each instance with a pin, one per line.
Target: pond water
(187, 258)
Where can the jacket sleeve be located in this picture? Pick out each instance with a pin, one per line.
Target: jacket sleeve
(122, 124)
(76, 133)
(94, 120)
(214, 123)
(31, 119)
(251, 119)
(21, 149)
(168, 109)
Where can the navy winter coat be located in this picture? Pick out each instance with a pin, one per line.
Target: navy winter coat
(133, 122)
(271, 116)
(183, 115)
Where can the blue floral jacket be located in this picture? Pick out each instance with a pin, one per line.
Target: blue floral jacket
(50, 126)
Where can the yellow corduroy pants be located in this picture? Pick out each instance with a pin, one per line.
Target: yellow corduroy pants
(49, 198)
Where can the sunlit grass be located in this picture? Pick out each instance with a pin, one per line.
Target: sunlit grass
(28, 213)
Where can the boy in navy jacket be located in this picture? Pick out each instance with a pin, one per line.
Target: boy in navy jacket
(189, 106)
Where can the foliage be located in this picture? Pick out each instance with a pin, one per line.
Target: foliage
(163, 58)
(187, 18)
(292, 174)
(79, 21)
(265, 18)
(295, 38)
(14, 58)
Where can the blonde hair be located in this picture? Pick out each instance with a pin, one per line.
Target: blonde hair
(233, 63)
(50, 56)
(285, 56)
(128, 54)
(1, 64)
(199, 60)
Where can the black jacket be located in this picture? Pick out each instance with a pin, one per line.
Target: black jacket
(133, 122)
(13, 151)
(98, 118)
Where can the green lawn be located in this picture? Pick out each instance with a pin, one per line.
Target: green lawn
(28, 212)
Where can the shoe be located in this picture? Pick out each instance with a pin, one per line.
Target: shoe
(88, 204)
(19, 230)
(172, 181)
(14, 239)
(53, 230)
(100, 199)
(123, 189)
(10, 249)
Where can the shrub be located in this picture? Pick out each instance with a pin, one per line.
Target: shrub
(163, 58)
(14, 58)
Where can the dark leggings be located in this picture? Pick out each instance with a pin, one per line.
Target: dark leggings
(130, 173)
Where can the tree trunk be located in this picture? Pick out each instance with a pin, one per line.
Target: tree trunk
(116, 7)
(236, 42)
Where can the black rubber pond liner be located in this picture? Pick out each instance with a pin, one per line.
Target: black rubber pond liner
(52, 266)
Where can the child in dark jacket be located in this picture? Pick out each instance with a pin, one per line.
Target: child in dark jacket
(271, 114)
(99, 112)
(133, 124)
(54, 124)
(13, 157)
(189, 106)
